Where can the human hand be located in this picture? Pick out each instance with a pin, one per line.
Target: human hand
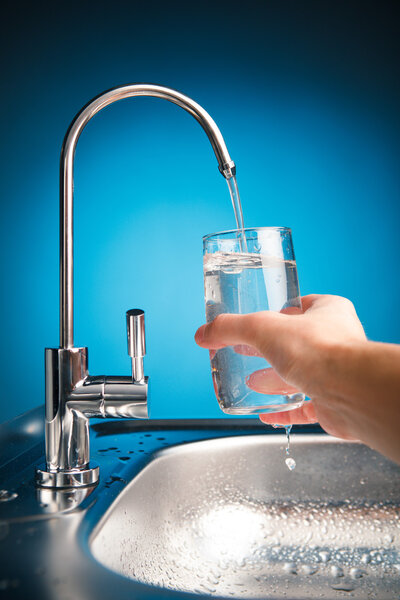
(299, 345)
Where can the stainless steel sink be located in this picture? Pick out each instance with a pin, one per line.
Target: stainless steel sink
(189, 508)
(225, 517)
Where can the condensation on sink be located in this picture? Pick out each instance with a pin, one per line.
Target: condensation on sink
(225, 518)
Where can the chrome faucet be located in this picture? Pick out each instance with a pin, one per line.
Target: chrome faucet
(72, 395)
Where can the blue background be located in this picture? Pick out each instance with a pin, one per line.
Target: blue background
(307, 97)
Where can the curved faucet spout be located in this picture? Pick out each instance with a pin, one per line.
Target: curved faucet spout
(72, 395)
(225, 164)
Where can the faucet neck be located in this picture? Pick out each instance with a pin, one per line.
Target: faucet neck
(225, 164)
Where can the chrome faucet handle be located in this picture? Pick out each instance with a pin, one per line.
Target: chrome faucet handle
(136, 341)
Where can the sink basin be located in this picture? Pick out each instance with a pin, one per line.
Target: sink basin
(225, 517)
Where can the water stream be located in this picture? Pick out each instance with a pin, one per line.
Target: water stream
(237, 209)
(290, 462)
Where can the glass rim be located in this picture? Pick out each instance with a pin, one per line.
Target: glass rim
(246, 229)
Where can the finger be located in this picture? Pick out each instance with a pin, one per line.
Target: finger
(226, 330)
(253, 329)
(308, 301)
(232, 329)
(292, 310)
(199, 338)
(298, 416)
(267, 381)
(247, 350)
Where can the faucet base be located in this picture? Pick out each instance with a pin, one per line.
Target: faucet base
(67, 479)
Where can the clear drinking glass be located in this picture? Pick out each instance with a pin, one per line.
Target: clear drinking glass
(248, 271)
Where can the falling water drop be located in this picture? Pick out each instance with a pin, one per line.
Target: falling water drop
(288, 429)
(291, 463)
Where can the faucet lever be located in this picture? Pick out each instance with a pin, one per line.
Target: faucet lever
(136, 341)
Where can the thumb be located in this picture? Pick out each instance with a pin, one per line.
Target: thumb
(252, 329)
(224, 330)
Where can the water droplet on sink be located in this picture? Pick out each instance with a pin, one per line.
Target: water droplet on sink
(336, 571)
(6, 496)
(324, 556)
(366, 558)
(344, 587)
(290, 567)
(290, 463)
(356, 573)
(308, 569)
(114, 478)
